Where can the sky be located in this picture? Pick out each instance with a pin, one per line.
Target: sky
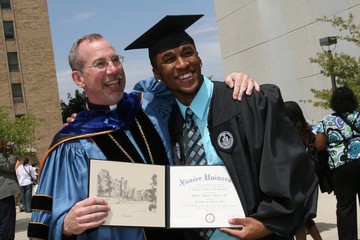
(121, 22)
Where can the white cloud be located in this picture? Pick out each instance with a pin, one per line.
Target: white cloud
(84, 15)
(79, 17)
(204, 29)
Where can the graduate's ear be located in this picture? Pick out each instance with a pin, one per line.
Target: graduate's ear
(156, 74)
(197, 54)
(78, 79)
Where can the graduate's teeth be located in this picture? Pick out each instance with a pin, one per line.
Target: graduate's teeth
(186, 76)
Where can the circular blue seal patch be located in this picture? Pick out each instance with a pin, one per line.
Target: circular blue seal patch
(225, 140)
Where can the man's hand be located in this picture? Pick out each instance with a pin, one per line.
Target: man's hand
(86, 214)
(241, 82)
(70, 119)
(252, 229)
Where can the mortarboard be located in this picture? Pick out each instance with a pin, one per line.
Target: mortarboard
(168, 33)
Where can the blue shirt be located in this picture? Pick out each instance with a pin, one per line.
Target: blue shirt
(201, 112)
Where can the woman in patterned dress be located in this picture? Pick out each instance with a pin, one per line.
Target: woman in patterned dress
(339, 134)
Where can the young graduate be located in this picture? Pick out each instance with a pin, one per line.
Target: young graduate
(253, 138)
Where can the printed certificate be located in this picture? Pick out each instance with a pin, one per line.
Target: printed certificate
(165, 196)
(202, 196)
(135, 192)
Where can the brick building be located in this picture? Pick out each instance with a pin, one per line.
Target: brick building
(27, 68)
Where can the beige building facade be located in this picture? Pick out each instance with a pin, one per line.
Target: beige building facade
(27, 68)
(272, 40)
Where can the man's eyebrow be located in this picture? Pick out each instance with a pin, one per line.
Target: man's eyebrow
(187, 46)
(105, 58)
(168, 54)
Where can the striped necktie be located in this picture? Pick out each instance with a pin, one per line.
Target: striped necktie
(194, 155)
(193, 146)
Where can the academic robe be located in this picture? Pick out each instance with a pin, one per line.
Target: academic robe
(263, 155)
(65, 167)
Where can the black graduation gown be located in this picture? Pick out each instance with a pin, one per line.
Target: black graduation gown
(263, 155)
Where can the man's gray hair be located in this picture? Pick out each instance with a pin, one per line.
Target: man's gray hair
(75, 62)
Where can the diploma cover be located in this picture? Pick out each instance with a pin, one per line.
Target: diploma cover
(146, 195)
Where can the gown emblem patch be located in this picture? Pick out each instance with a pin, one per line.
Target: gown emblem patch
(225, 140)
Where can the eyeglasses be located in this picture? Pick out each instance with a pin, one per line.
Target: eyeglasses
(103, 64)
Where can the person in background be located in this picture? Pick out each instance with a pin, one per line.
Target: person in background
(304, 130)
(18, 163)
(253, 138)
(36, 168)
(339, 134)
(114, 127)
(18, 199)
(26, 175)
(9, 189)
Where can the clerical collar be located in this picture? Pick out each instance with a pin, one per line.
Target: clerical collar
(93, 121)
(92, 106)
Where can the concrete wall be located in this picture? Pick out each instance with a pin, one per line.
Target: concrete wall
(272, 40)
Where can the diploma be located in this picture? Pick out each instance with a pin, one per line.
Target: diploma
(148, 195)
(135, 192)
(202, 196)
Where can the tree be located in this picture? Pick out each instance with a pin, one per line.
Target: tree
(18, 131)
(76, 104)
(104, 183)
(153, 193)
(345, 68)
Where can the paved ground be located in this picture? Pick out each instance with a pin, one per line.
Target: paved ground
(325, 221)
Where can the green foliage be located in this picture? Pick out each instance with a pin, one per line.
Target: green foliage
(18, 131)
(345, 68)
(75, 104)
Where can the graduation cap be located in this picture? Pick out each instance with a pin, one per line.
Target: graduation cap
(167, 34)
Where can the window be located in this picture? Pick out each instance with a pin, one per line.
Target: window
(9, 30)
(13, 61)
(17, 94)
(5, 4)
